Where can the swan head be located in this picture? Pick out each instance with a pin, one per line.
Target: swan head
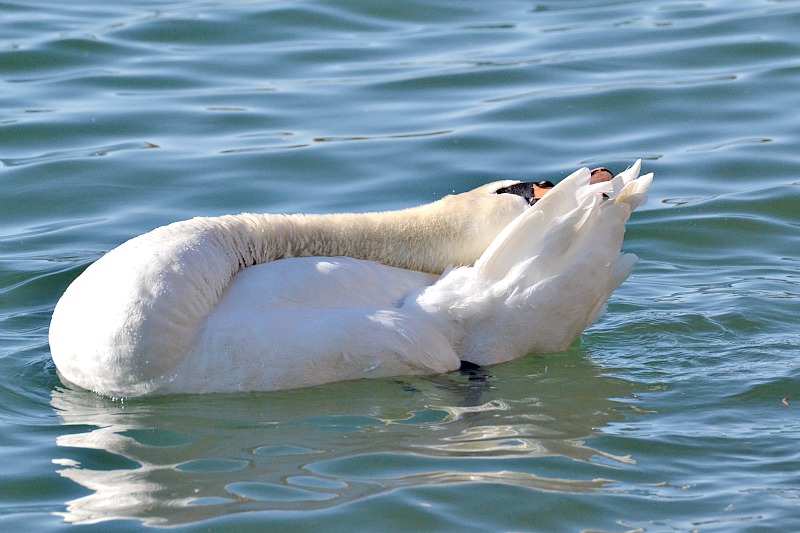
(459, 227)
(501, 197)
(494, 206)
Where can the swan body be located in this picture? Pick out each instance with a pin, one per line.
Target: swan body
(265, 302)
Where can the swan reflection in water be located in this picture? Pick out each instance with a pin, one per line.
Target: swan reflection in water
(183, 459)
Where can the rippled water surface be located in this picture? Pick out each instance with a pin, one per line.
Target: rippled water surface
(677, 411)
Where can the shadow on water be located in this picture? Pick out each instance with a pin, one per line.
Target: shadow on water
(185, 459)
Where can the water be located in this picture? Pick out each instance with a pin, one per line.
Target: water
(678, 411)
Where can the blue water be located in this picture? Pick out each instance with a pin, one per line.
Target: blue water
(677, 411)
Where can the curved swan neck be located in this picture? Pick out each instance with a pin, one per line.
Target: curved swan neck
(415, 238)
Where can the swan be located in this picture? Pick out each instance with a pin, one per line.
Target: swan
(258, 302)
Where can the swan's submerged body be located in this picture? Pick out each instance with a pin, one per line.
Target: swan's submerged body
(265, 302)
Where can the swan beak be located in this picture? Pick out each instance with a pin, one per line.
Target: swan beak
(540, 189)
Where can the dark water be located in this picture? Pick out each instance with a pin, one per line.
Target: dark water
(678, 411)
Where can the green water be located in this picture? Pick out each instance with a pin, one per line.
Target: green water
(678, 411)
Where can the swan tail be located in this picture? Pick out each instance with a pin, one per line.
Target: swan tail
(551, 225)
(548, 275)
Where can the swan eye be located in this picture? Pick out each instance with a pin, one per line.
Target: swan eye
(527, 190)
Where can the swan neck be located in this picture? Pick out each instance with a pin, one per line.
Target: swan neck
(415, 238)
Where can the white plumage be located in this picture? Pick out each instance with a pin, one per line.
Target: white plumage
(265, 302)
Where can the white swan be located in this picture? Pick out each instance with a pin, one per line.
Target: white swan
(265, 302)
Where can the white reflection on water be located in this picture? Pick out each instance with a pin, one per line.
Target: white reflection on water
(185, 459)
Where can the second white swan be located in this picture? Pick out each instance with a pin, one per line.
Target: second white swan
(265, 302)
